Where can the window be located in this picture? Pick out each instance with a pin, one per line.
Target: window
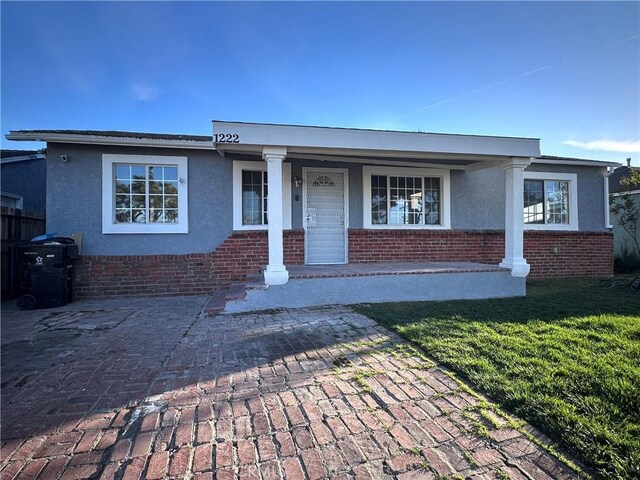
(10, 200)
(144, 194)
(550, 201)
(251, 192)
(254, 197)
(405, 198)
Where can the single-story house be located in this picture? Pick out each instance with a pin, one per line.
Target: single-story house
(23, 183)
(23, 178)
(348, 215)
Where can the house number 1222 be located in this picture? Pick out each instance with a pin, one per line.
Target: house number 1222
(226, 138)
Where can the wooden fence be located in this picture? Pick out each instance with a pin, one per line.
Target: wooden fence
(17, 226)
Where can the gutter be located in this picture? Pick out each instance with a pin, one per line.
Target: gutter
(23, 158)
(121, 141)
(582, 163)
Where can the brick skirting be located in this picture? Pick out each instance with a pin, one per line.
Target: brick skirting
(569, 254)
(198, 273)
(550, 254)
(484, 246)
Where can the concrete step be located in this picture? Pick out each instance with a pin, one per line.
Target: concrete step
(237, 291)
(255, 282)
(308, 292)
(215, 304)
(218, 300)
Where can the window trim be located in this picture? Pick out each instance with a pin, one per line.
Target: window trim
(445, 182)
(238, 167)
(109, 226)
(572, 178)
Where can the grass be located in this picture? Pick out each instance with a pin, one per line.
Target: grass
(566, 359)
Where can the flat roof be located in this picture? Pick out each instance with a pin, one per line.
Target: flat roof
(370, 129)
(114, 137)
(112, 134)
(306, 140)
(245, 136)
(552, 159)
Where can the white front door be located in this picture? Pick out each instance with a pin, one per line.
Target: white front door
(324, 216)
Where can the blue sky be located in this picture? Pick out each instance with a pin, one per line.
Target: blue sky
(568, 73)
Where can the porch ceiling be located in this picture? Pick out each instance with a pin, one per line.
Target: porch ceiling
(400, 160)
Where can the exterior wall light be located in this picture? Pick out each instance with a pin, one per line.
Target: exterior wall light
(297, 182)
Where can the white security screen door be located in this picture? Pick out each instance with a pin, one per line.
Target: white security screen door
(324, 217)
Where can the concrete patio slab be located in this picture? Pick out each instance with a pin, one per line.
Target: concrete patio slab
(156, 389)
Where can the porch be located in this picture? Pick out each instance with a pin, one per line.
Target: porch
(315, 285)
(333, 183)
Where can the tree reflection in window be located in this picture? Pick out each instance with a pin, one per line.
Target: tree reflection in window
(146, 194)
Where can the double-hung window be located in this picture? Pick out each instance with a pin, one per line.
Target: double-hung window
(144, 194)
(550, 201)
(406, 198)
(251, 195)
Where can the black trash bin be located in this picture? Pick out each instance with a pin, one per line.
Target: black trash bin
(45, 269)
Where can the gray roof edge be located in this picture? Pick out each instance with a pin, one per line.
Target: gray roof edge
(551, 159)
(113, 134)
(372, 130)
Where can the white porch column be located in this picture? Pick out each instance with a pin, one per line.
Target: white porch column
(275, 273)
(607, 218)
(514, 218)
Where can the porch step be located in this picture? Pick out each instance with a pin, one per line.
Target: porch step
(381, 287)
(255, 282)
(218, 300)
(237, 292)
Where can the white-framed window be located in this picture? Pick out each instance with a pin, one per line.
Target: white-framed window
(550, 201)
(406, 198)
(144, 194)
(251, 195)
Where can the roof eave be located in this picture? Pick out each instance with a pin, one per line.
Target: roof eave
(104, 140)
(323, 138)
(581, 163)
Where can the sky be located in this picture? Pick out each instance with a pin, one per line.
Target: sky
(567, 73)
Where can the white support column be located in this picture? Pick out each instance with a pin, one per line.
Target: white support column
(514, 219)
(607, 219)
(275, 273)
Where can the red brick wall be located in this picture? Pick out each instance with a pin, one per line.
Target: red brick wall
(550, 254)
(240, 254)
(569, 254)
(486, 246)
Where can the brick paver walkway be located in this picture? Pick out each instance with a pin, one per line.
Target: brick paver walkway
(153, 389)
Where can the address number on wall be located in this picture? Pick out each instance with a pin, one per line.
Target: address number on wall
(226, 138)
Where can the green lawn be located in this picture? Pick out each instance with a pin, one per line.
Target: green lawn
(566, 358)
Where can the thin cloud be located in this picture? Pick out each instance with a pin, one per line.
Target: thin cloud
(507, 80)
(632, 146)
(144, 92)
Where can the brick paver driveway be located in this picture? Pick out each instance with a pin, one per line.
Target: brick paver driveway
(154, 389)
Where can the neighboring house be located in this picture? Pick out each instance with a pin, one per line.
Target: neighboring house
(623, 243)
(24, 180)
(175, 214)
(23, 183)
